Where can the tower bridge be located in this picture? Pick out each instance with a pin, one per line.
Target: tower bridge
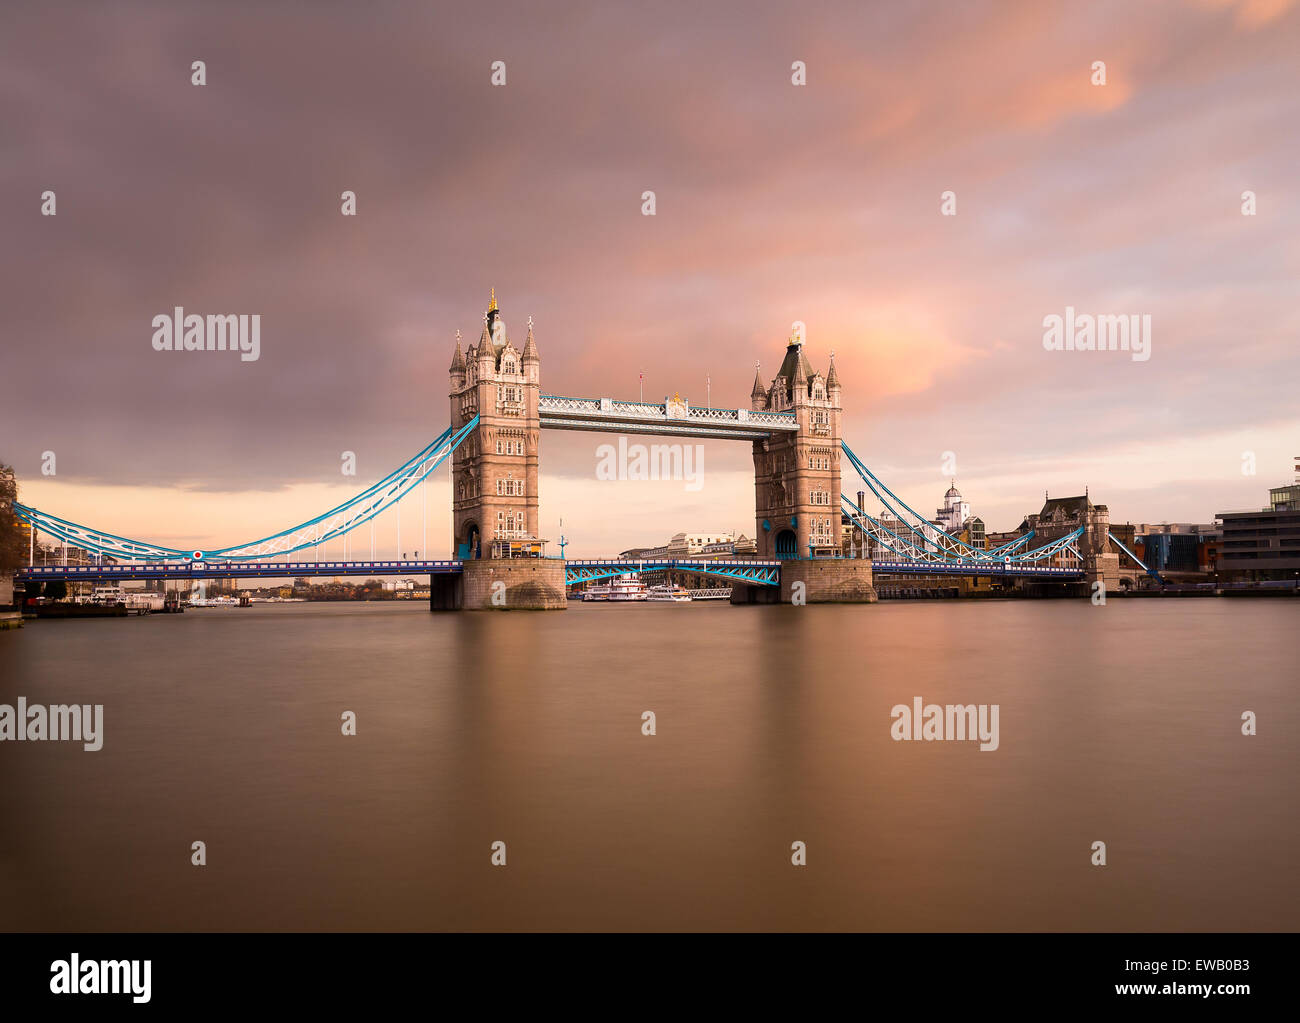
(492, 445)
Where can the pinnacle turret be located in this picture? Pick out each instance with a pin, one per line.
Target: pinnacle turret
(458, 360)
(530, 346)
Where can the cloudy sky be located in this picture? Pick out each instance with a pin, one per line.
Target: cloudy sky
(775, 203)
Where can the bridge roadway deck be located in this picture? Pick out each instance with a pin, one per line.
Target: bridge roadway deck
(991, 568)
(235, 570)
(587, 568)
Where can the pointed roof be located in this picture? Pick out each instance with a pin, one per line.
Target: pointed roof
(458, 360)
(759, 390)
(1070, 507)
(802, 369)
(530, 346)
(832, 378)
(795, 367)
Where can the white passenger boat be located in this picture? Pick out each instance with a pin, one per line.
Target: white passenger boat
(665, 592)
(624, 588)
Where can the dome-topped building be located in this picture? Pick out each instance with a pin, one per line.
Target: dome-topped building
(955, 511)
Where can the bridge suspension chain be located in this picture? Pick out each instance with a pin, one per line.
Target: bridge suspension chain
(928, 538)
(337, 522)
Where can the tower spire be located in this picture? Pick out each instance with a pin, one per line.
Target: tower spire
(492, 302)
(530, 346)
(458, 360)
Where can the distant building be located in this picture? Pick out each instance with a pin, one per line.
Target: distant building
(885, 546)
(1062, 516)
(1264, 544)
(854, 543)
(690, 544)
(695, 545)
(1177, 528)
(54, 553)
(1171, 552)
(954, 513)
(1006, 536)
(955, 519)
(1284, 498)
(741, 546)
(1173, 546)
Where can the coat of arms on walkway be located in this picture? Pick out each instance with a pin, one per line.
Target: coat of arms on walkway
(677, 407)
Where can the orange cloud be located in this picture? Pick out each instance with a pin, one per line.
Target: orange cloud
(1252, 14)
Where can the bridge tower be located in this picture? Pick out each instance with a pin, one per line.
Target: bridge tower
(797, 489)
(797, 475)
(494, 476)
(494, 471)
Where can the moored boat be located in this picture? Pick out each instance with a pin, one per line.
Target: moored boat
(623, 588)
(667, 592)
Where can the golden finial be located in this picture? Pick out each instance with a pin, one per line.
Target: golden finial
(492, 305)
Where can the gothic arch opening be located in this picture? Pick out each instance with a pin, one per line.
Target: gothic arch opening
(472, 544)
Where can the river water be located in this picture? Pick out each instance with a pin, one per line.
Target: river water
(1119, 724)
